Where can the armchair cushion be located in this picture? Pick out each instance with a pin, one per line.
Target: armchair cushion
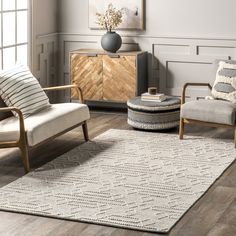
(214, 111)
(46, 123)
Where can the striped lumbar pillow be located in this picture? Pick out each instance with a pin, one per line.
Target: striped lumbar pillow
(225, 84)
(19, 88)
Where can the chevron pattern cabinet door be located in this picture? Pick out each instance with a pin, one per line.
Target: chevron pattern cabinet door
(86, 71)
(119, 78)
(105, 77)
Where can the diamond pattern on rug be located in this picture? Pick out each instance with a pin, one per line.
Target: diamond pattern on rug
(130, 179)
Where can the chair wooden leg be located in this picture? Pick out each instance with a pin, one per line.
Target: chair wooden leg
(235, 137)
(181, 128)
(85, 131)
(25, 157)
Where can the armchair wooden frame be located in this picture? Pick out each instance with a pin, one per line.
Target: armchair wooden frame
(22, 144)
(184, 121)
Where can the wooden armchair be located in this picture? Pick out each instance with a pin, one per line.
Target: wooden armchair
(44, 125)
(215, 113)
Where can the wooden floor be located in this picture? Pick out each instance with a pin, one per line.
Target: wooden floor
(212, 215)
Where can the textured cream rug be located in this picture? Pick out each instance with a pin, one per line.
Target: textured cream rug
(130, 179)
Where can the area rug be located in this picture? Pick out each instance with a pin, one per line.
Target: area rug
(138, 180)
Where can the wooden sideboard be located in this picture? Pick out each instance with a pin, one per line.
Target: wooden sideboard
(109, 77)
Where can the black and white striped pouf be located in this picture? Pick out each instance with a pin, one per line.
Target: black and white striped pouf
(153, 115)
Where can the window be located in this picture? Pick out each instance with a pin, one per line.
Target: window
(13, 32)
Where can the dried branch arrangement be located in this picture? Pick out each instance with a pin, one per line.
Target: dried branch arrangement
(110, 19)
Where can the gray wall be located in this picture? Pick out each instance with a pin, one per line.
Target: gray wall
(184, 37)
(201, 18)
(45, 17)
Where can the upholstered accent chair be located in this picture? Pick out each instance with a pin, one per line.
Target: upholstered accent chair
(27, 133)
(215, 112)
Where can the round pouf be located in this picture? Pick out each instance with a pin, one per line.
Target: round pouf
(153, 115)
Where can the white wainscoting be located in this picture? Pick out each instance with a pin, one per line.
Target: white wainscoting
(45, 59)
(189, 60)
(172, 61)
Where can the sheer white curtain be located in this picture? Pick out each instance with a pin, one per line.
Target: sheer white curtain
(13, 32)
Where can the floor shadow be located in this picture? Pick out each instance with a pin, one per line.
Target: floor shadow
(78, 156)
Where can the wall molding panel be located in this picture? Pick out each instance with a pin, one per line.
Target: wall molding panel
(178, 61)
(172, 61)
(45, 59)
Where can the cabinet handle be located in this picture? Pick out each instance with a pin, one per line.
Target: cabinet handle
(92, 54)
(113, 55)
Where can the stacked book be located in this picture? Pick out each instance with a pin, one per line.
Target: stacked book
(158, 97)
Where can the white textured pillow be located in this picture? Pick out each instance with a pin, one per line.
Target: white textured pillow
(225, 83)
(19, 88)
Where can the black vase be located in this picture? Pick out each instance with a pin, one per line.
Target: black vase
(111, 42)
